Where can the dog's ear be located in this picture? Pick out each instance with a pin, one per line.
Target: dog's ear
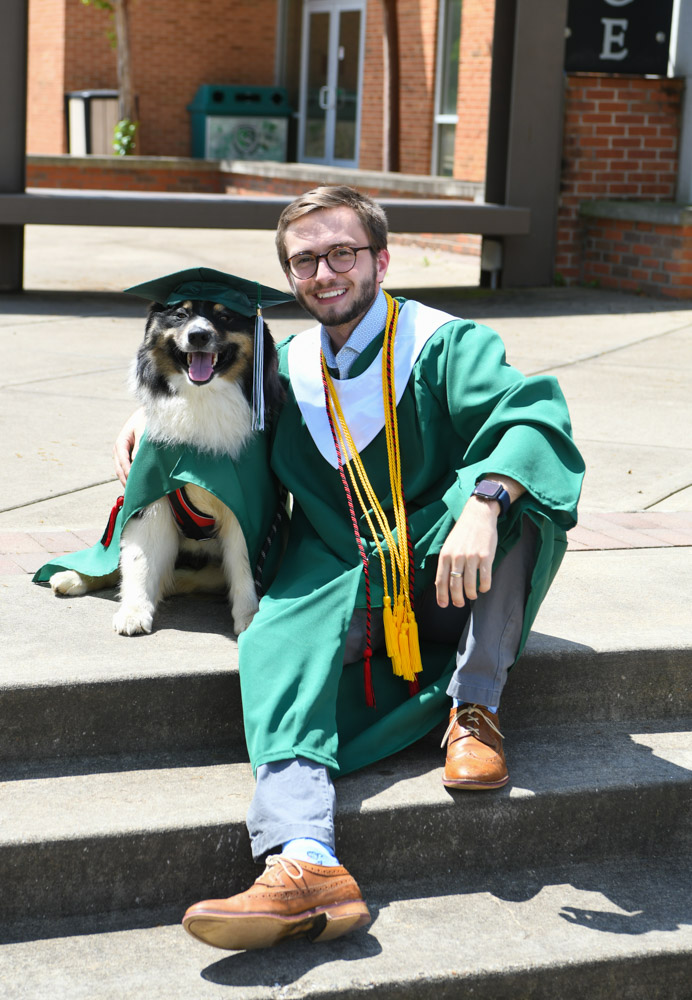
(273, 390)
(153, 310)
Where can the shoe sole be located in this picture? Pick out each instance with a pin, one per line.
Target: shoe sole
(470, 785)
(249, 931)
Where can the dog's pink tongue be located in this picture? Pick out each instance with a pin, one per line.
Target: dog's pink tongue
(201, 367)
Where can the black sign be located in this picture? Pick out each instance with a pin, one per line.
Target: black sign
(618, 36)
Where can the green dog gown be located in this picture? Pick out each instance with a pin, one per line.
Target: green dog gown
(245, 484)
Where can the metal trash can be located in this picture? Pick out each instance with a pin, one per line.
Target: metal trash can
(240, 123)
(91, 118)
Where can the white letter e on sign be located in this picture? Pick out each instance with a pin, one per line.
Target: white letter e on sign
(612, 37)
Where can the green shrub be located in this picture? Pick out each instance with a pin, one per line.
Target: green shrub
(124, 137)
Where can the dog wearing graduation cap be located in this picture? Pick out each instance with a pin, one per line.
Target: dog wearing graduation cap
(200, 499)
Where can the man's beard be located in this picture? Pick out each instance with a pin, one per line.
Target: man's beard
(359, 307)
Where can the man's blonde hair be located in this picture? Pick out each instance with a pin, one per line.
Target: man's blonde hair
(370, 214)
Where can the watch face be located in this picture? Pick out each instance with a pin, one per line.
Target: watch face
(488, 490)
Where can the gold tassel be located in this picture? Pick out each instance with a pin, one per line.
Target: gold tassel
(388, 626)
(414, 644)
(391, 637)
(406, 670)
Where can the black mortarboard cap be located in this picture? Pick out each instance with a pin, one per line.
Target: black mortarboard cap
(239, 294)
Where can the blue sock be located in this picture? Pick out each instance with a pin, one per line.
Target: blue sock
(307, 849)
(491, 708)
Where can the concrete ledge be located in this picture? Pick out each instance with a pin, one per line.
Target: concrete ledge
(308, 173)
(659, 213)
(314, 174)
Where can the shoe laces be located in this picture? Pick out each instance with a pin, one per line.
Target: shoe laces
(469, 727)
(286, 863)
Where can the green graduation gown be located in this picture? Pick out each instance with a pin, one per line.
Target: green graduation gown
(464, 412)
(245, 484)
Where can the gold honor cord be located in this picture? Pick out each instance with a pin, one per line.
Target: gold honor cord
(400, 628)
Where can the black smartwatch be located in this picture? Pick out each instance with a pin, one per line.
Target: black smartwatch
(486, 489)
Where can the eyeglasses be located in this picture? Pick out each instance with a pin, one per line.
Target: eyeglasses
(339, 259)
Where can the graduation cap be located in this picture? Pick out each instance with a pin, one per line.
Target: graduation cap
(241, 295)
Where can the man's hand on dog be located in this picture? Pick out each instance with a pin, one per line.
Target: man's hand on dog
(127, 443)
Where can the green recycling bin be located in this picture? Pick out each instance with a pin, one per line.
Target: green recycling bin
(240, 123)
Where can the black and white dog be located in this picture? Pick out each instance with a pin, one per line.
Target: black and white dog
(193, 376)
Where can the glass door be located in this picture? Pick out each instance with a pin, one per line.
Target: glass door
(331, 81)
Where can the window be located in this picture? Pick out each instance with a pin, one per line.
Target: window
(446, 87)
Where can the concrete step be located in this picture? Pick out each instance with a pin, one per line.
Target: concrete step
(72, 687)
(161, 834)
(612, 641)
(603, 930)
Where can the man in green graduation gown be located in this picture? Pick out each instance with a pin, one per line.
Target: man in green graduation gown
(484, 461)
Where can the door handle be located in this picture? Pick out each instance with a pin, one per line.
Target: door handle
(325, 99)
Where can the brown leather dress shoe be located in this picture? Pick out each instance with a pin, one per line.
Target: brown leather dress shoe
(289, 899)
(475, 758)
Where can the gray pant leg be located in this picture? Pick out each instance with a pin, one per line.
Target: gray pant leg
(489, 645)
(293, 798)
(490, 627)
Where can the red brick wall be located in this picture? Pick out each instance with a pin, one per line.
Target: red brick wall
(45, 109)
(125, 174)
(473, 101)
(176, 46)
(620, 141)
(90, 60)
(638, 257)
(372, 109)
(417, 43)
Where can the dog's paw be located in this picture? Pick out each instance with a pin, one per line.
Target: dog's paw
(68, 583)
(243, 618)
(133, 621)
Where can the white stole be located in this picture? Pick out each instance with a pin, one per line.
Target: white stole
(361, 396)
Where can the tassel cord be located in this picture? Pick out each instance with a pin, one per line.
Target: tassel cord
(393, 450)
(369, 691)
(347, 447)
